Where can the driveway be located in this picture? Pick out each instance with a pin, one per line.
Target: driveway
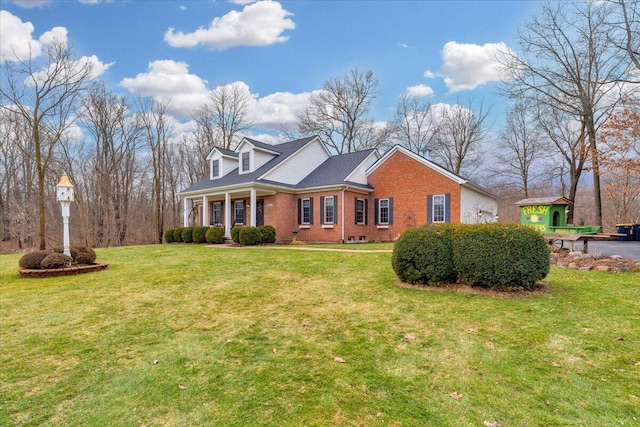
(630, 250)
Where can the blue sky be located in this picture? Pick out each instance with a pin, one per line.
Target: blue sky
(280, 51)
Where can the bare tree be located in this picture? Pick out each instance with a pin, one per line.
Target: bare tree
(568, 63)
(46, 95)
(625, 20)
(339, 113)
(462, 130)
(415, 124)
(520, 148)
(223, 116)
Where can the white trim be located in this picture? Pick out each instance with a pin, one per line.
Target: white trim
(327, 225)
(433, 208)
(227, 215)
(304, 226)
(245, 140)
(374, 152)
(381, 227)
(342, 217)
(252, 199)
(397, 148)
(364, 211)
(388, 222)
(241, 161)
(302, 199)
(205, 211)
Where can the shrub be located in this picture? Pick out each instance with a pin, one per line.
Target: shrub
(235, 234)
(85, 255)
(73, 250)
(187, 234)
(168, 236)
(32, 260)
(267, 233)
(215, 235)
(500, 256)
(177, 234)
(55, 260)
(199, 234)
(425, 255)
(250, 236)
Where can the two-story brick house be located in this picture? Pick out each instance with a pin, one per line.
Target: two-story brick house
(305, 192)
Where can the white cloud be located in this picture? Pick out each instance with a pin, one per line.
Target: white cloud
(467, 66)
(419, 91)
(16, 38)
(169, 81)
(182, 7)
(30, 4)
(279, 109)
(258, 24)
(98, 68)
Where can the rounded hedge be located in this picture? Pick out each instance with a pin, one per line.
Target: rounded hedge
(187, 234)
(235, 234)
(177, 234)
(215, 235)
(168, 236)
(250, 236)
(32, 260)
(424, 255)
(85, 255)
(500, 256)
(267, 233)
(55, 260)
(199, 234)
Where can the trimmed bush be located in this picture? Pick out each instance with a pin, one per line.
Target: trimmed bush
(73, 250)
(425, 255)
(235, 234)
(85, 255)
(215, 235)
(250, 236)
(55, 260)
(187, 234)
(32, 260)
(500, 256)
(177, 234)
(168, 236)
(199, 234)
(267, 233)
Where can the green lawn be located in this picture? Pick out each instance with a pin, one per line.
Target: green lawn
(183, 335)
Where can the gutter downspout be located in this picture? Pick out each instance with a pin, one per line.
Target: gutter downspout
(342, 220)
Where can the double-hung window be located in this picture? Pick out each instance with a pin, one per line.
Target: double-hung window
(215, 168)
(305, 211)
(383, 211)
(246, 165)
(438, 208)
(238, 208)
(329, 210)
(216, 213)
(360, 211)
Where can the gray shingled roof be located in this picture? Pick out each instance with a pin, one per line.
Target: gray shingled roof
(335, 169)
(232, 178)
(227, 152)
(557, 200)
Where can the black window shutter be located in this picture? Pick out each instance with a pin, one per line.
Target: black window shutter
(429, 209)
(355, 210)
(299, 211)
(321, 210)
(244, 211)
(376, 204)
(447, 207)
(366, 210)
(311, 210)
(391, 210)
(335, 209)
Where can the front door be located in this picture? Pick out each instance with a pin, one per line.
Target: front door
(259, 212)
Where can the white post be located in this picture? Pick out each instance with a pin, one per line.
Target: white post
(65, 222)
(253, 207)
(227, 215)
(185, 213)
(205, 208)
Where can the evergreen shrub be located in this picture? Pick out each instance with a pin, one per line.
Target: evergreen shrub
(424, 255)
(235, 234)
(199, 234)
(267, 233)
(168, 236)
(215, 235)
(56, 260)
(250, 236)
(177, 234)
(500, 256)
(187, 234)
(32, 260)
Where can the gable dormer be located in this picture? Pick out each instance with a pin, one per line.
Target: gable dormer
(252, 154)
(221, 162)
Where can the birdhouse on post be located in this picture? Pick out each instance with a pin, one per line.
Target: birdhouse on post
(65, 195)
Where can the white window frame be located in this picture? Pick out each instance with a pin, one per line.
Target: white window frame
(380, 210)
(242, 158)
(217, 163)
(326, 220)
(360, 211)
(308, 208)
(438, 201)
(236, 210)
(213, 213)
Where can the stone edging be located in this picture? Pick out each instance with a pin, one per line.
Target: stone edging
(67, 271)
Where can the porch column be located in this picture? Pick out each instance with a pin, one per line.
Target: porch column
(253, 207)
(205, 208)
(227, 215)
(185, 213)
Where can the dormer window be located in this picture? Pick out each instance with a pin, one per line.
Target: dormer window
(245, 162)
(215, 168)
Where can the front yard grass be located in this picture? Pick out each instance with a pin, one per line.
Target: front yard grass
(192, 335)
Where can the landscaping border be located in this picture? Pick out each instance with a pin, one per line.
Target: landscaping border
(67, 271)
